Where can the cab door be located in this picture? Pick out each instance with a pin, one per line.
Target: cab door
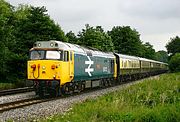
(71, 64)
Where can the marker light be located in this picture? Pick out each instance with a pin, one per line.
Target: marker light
(51, 44)
(53, 66)
(39, 44)
(43, 67)
(33, 66)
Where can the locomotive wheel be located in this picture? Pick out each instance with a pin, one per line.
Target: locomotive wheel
(41, 94)
(67, 88)
(101, 83)
(82, 86)
(105, 83)
(54, 92)
(79, 86)
(109, 82)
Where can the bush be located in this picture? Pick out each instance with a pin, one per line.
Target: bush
(174, 63)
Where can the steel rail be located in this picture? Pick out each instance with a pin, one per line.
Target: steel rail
(15, 91)
(20, 104)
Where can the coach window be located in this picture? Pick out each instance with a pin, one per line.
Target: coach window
(66, 56)
(123, 64)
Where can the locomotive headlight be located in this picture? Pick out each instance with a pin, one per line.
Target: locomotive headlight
(43, 67)
(51, 44)
(39, 44)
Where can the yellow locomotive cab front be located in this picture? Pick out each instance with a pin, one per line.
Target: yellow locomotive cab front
(44, 70)
(50, 65)
(50, 69)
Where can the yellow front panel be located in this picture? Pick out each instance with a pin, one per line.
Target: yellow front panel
(43, 69)
(51, 70)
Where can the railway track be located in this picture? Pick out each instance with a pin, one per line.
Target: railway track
(26, 102)
(15, 91)
(21, 103)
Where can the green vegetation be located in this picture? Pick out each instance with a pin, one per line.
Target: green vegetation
(174, 63)
(95, 37)
(19, 28)
(7, 86)
(173, 46)
(153, 100)
(13, 85)
(126, 40)
(162, 56)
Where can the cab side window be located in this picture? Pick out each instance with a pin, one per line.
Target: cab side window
(71, 56)
(66, 56)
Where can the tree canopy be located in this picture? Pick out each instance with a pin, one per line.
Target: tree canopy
(148, 51)
(162, 56)
(95, 37)
(6, 37)
(71, 38)
(173, 46)
(126, 40)
(19, 28)
(36, 26)
(174, 63)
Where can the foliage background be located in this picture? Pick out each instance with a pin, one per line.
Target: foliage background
(23, 25)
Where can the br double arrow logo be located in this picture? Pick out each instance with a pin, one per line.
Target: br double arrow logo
(89, 69)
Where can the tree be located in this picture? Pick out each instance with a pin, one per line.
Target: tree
(6, 37)
(148, 51)
(162, 56)
(126, 40)
(36, 26)
(95, 37)
(173, 46)
(71, 38)
(19, 29)
(174, 63)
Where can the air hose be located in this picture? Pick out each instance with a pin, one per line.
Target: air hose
(38, 72)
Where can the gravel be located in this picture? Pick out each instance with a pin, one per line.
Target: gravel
(58, 106)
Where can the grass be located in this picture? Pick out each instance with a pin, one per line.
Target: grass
(18, 84)
(4, 86)
(155, 100)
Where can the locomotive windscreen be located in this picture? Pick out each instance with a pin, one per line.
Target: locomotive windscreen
(43, 54)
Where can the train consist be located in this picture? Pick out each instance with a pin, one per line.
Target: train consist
(62, 68)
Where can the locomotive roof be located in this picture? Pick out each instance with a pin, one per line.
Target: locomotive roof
(74, 47)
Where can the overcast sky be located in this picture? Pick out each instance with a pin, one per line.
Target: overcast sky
(155, 20)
